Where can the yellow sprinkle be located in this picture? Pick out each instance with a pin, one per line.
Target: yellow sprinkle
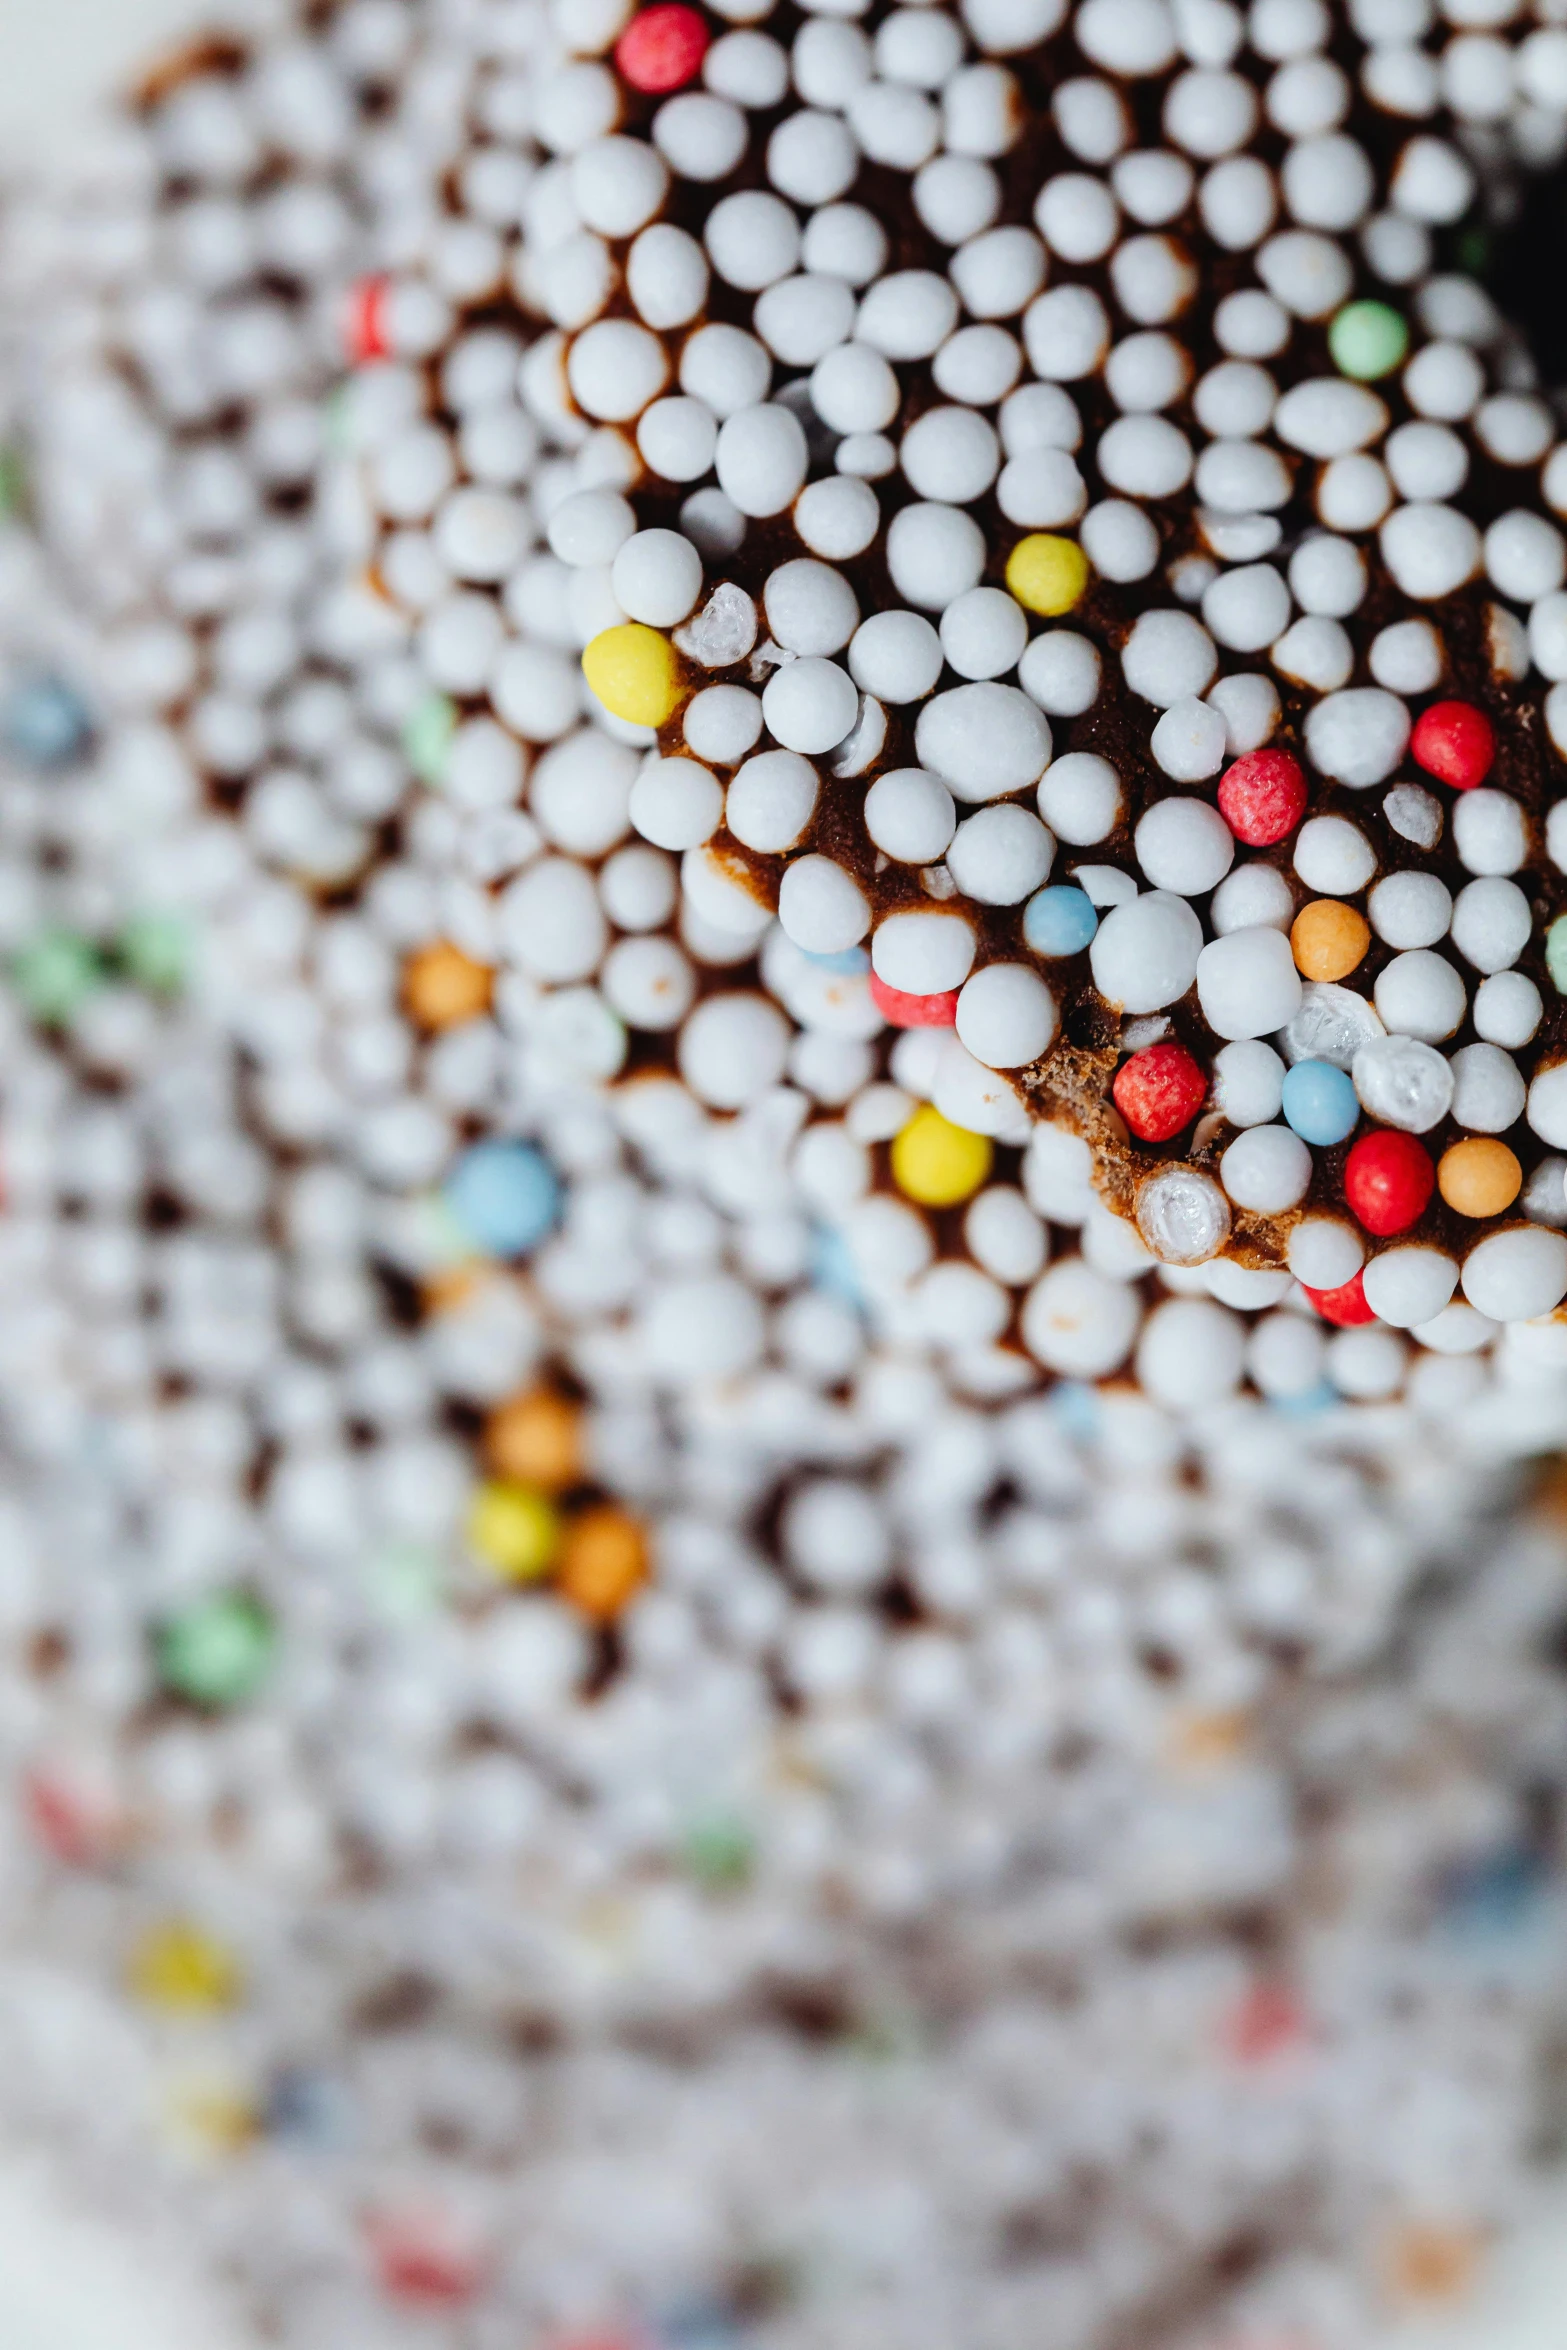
(209, 2115)
(177, 1967)
(938, 1163)
(1047, 574)
(514, 1530)
(634, 672)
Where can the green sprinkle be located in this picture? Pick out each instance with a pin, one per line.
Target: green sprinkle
(1367, 340)
(218, 1651)
(720, 1853)
(427, 737)
(56, 974)
(1556, 953)
(155, 949)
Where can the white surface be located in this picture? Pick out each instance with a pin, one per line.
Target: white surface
(65, 2283)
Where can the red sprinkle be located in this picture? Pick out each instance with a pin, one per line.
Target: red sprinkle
(1267, 2021)
(1263, 797)
(914, 1011)
(420, 2260)
(1159, 1090)
(77, 1825)
(1455, 742)
(366, 329)
(1388, 1178)
(662, 48)
(1345, 1305)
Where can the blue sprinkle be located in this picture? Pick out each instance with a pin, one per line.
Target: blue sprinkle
(1076, 1406)
(1320, 1102)
(45, 722)
(1496, 1894)
(1320, 1398)
(1059, 921)
(307, 2107)
(832, 1267)
(505, 1197)
(850, 960)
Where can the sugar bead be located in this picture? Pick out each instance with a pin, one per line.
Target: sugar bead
(1262, 797)
(1184, 845)
(821, 906)
(1515, 1276)
(935, 554)
(924, 953)
(1183, 1216)
(984, 740)
(1479, 1178)
(1248, 1079)
(939, 1164)
(1328, 939)
(1407, 1286)
(732, 1049)
(1507, 1009)
(1455, 742)
(635, 673)
(1323, 1253)
(1410, 909)
(1000, 856)
(761, 459)
(770, 802)
(1080, 798)
(1159, 1091)
(514, 1530)
(676, 803)
(1047, 575)
(1492, 923)
(1388, 1182)
(1404, 1082)
(1319, 1102)
(1247, 983)
(1006, 1016)
(1145, 954)
(662, 48)
(504, 1196)
(217, 1651)
(1059, 922)
(1267, 1169)
(901, 1010)
(1060, 671)
(910, 816)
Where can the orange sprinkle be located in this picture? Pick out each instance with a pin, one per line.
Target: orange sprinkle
(1479, 1176)
(536, 1439)
(442, 985)
(1433, 2264)
(1328, 939)
(603, 1561)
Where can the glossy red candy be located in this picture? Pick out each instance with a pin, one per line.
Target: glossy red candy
(1263, 797)
(914, 1011)
(1345, 1306)
(662, 48)
(1388, 1179)
(1159, 1090)
(1455, 742)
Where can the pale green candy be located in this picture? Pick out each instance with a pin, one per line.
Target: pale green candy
(218, 1651)
(56, 974)
(1368, 340)
(1556, 953)
(155, 949)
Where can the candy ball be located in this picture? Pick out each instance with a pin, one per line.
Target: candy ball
(1479, 1176)
(514, 1530)
(1262, 797)
(1320, 1103)
(1047, 574)
(663, 47)
(603, 1562)
(442, 986)
(1059, 921)
(1388, 1180)
(1455, 742)
(536, 1439)
(1159, 1090)
(1345, 1306)
(635, 673)
(1328, 939)
(938, 1163)
(218, 1651)
(505, 1197)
